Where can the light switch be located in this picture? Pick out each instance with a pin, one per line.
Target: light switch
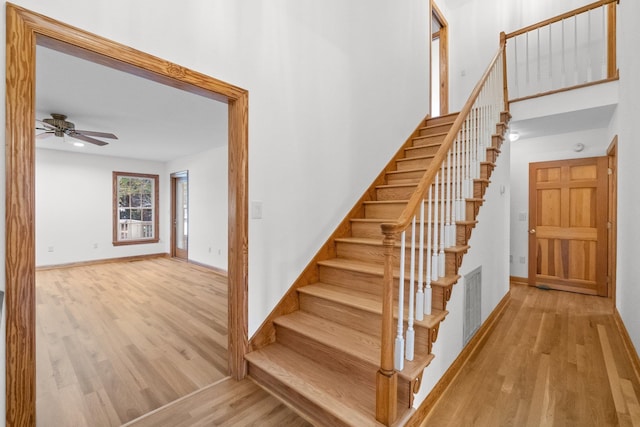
(256, 210)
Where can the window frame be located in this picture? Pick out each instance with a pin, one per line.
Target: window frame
(116, 210)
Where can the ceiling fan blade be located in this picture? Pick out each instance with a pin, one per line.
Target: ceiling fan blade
(47, 126)
(98, 134)
(44, 135)
(85, 138)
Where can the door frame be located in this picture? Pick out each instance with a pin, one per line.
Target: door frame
(26, 29)
(443, 35)
(532, 250)
(175, 177)
(612, 218)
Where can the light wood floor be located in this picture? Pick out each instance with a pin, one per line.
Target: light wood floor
(115, 341)
(554, 359)
(228, 403)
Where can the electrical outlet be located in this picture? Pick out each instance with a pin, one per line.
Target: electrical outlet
(95, 246)
(523, 260)
(522, 216)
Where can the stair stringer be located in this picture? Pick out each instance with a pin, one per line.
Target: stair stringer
(289, 302)
(495, 262)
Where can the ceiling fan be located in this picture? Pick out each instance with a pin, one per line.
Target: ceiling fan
(59, 126)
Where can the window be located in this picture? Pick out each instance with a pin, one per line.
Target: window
(135, 208)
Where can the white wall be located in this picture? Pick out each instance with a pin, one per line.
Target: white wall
(74, 207)
(208, 201)
(335, 88)
(490, 250)
(628, 269)
(525, 151)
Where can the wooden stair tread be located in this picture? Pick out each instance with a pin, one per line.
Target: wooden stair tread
(403, 185)
(332, 334)
(364, 301)
(378, 242)
(431, 135)
(446, 281)
(406, 159)
(457, 249)
(391, 220)
(344, 339)
(327, 389)
(382, 202)
(372, 220)
(407, 171)
(370, 268)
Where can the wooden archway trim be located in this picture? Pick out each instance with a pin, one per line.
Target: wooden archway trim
(25, 29)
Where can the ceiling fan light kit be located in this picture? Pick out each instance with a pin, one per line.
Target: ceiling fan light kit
(59, 126)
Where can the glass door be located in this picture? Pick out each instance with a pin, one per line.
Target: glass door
(180, 215)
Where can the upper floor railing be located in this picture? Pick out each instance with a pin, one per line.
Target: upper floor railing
(575, 49)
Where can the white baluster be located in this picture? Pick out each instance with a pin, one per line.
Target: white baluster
(434, 256)
(539, 60)
(589, 69)
(516, 83)
(575, 49)
(420, 293)
(550, 60)
(604, 42)
(442, 220)
(460, 209)
(527, 80)
(399, 347)
(564, 61)
(427, 290)
(410, 332)
(448, 240)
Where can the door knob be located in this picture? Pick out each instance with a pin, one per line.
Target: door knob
(532, 231)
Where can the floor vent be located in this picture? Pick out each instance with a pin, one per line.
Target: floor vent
(472, 304)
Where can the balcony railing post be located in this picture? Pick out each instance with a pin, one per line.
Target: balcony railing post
(387, 377)
(612, 64)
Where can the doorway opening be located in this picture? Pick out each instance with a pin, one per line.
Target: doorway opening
(180, 215)
(439, 63)
(25, 30)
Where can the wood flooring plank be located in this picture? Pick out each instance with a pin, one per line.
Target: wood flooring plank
(115, 341)
(551, 360)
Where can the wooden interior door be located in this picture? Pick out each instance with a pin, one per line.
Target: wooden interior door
(180, 215)
(568, 225)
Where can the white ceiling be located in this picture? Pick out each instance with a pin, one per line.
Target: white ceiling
(152, 121)
(573, 121)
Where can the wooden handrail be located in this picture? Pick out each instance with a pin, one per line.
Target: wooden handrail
(427, 179)
(386, 377)
(559, 18)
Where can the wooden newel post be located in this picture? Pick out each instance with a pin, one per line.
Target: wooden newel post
(387, 377)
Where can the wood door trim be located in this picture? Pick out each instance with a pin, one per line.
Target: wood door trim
(612, 217)
(443, 34)
(24, 30)
(175, 177)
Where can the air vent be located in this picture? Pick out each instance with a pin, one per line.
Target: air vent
(472, 304)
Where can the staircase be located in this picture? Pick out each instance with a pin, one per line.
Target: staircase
(320, 350)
